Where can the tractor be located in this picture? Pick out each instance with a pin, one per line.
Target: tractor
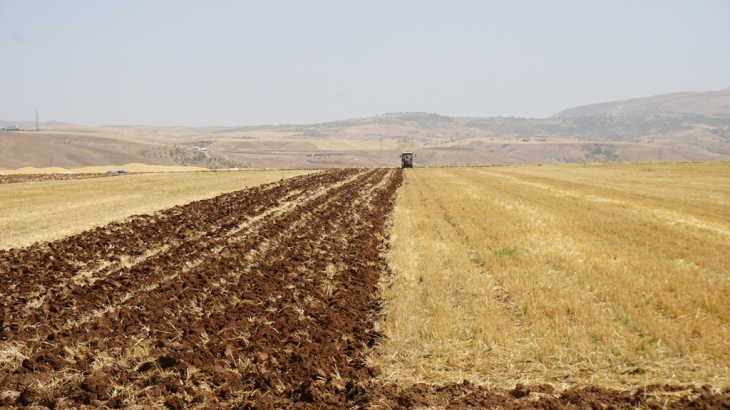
(406, 159)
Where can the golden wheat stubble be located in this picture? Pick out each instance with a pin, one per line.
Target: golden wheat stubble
(508, 273)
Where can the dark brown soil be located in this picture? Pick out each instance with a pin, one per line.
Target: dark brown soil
(259, 298)
(227, 301)
(11, 179)
(469, 396)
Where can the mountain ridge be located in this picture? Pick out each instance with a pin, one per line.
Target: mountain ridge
(706, 103)
(645, 129)
(693, 102)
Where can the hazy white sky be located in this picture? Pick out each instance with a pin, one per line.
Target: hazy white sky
(246, 63)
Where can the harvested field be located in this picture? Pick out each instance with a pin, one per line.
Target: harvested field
(261, 298)
(44, 211)
(594, 275)
(15, 178)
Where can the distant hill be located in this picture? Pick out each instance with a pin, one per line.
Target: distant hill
(692, 126)
(4, 124)
(700, 103)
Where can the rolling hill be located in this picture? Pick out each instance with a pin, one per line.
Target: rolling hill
(700, 103)
(672, 127)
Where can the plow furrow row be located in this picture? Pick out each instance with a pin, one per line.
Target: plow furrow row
(258, 297)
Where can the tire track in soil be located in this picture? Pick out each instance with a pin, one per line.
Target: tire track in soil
(265, 303)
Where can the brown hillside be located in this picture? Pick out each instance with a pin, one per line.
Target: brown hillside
(23, 149)
(701, 103)
(672, 127)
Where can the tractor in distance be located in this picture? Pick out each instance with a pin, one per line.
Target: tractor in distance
(406, 159)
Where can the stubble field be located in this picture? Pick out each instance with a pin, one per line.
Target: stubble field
(511, 287)
(610, 275)
(46, 207)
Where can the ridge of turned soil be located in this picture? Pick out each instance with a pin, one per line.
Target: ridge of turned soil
(469, 396)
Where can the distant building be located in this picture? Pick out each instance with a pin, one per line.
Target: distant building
(13, 128)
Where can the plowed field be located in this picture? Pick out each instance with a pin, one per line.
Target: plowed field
(217, 302)
(260, 298)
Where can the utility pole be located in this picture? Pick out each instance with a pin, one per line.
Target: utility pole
(36, 120)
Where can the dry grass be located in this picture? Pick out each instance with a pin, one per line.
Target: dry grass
(42, 211)
(617, 275)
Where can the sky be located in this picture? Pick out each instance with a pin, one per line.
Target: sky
(287, 62)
